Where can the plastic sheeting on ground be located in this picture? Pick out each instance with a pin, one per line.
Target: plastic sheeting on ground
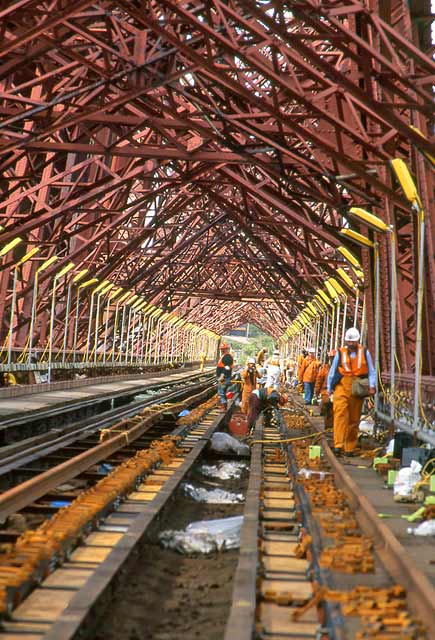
(405, 481)
(224, 470)
(212, 496)
(426, 528)
(224, 443)
(205, 536)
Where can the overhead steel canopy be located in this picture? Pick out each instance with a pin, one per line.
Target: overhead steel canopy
(205, 153)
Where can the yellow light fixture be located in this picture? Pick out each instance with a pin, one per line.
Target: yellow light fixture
(332, 292)
(65, 269)
(353, 260)
(358, 238)
(81, 274)
(124, 297)
(10, 245)
(115, 293)
(133, 298)
(311, 306)
(28, 255)
(345, 277)
(107, 288)
(406, 182)
(369, 219)
(320, 301)
(359, 274)
(46, 264)
(323, 296)
(101, 286)
(427, 155)
(88, 283)
(337, 286)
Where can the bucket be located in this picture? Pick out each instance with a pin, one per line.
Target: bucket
(238, 425)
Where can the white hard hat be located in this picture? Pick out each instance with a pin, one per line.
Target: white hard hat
(352, 335)
(250, 360)
(276, 352)
(262, 380)
(311, 350)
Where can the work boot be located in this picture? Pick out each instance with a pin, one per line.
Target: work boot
(353, 453)
(338, 451)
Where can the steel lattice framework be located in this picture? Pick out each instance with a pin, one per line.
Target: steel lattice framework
(205, 153)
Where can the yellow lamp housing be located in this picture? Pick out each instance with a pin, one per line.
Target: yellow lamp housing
(345, 277)
(65, 270)
(359, 274)
(406, 182)
(28, 255)
(337, 286)
(358, 238)
(47, 263)
(324, 297)
(10, 245)
(427, 155)
(369, 219)
(81, 274)
(313, 308)
(332, 292)
(353, 260)
(88, 283)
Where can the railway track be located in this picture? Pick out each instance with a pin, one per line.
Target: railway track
(18, 461)
(40, 424)
(307, 567)
(107, 440)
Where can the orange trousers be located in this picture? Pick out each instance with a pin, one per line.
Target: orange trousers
(347, 415)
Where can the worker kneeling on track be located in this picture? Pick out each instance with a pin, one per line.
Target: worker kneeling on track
(351, 378)
(249, 377)
(224, 369)
(263, 399)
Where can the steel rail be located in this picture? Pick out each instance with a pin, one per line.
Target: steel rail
(27, 492)
(79, 618)
(394, 557)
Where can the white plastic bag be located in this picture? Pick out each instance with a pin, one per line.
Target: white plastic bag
(224, 443)
(406, 478)
(224, 471)
(367, 426)
(390, 449)
(212, 496)
(205, 536)
(426, 528)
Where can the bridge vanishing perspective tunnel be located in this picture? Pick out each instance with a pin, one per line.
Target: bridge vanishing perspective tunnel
(172, 170)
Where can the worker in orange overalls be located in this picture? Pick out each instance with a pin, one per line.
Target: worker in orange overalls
(350, 362)
(300, 366)
(310, 367)
(249, 377)
(320, 390)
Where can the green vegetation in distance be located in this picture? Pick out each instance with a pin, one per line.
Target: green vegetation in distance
(257, 340)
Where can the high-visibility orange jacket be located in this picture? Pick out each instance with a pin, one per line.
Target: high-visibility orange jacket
(304, 364)
(353, 366)
(273, 361)
(310, 371)
(321, 378)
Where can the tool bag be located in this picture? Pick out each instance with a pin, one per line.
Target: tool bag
(360, 387)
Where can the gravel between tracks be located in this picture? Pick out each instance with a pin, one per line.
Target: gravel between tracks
(169, 596)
